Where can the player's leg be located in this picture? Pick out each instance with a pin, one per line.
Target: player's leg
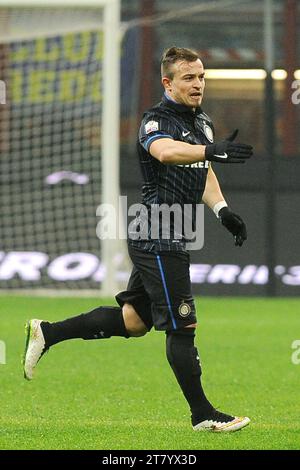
(168, 285)
(166, 276)
(131, 318)
(100, 323)
(133, 323)
(184, 359)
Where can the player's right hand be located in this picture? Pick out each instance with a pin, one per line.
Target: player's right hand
(228, 151)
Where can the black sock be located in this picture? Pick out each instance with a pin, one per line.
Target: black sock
(102, 322)
(184, 360)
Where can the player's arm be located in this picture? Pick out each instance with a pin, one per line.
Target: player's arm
(212, 195)
(215, 200)
(175, 152)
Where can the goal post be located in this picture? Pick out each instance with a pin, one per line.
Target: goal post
(110, 126)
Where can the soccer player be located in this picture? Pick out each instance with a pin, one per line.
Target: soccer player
(175, 150)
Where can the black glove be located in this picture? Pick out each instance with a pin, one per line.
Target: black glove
(234, 224)
(227, 151)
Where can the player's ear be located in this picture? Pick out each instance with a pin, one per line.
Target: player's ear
(167, 83)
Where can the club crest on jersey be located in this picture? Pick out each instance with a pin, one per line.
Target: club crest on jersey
(184, 310)
(151, 126)
(208, 133)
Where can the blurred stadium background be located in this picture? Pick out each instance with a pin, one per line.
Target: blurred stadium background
(57, 165)
(51, 166)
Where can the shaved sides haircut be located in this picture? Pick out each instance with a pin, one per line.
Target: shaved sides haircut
(173, 55)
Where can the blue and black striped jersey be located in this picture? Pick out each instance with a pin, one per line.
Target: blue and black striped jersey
(170, 184)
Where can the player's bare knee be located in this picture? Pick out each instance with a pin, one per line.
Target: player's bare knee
(133, 323)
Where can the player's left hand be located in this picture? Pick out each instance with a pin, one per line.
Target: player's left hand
(234, 224)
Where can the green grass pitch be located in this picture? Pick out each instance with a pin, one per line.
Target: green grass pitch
(121, 394)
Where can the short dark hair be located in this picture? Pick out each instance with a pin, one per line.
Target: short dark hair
(173, 55)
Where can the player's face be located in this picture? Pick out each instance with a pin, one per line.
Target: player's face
(187, 85)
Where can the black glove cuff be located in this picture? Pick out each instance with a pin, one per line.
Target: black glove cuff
(209, 151)
(224, 212)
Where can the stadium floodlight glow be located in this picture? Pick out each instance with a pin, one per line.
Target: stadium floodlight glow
(110, 104)
(244, 74)
(279, 74)
(297, 74)
(235, 74)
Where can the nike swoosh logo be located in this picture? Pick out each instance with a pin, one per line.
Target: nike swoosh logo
(184, 134)
(222, 156)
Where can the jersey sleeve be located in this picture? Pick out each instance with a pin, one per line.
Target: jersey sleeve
(155, 127)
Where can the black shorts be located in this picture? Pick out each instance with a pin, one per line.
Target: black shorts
(159, 289)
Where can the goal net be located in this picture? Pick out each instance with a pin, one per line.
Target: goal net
(58, 148)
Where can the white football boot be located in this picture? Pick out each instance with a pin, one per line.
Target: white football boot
(34, 347)
(221, 422)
